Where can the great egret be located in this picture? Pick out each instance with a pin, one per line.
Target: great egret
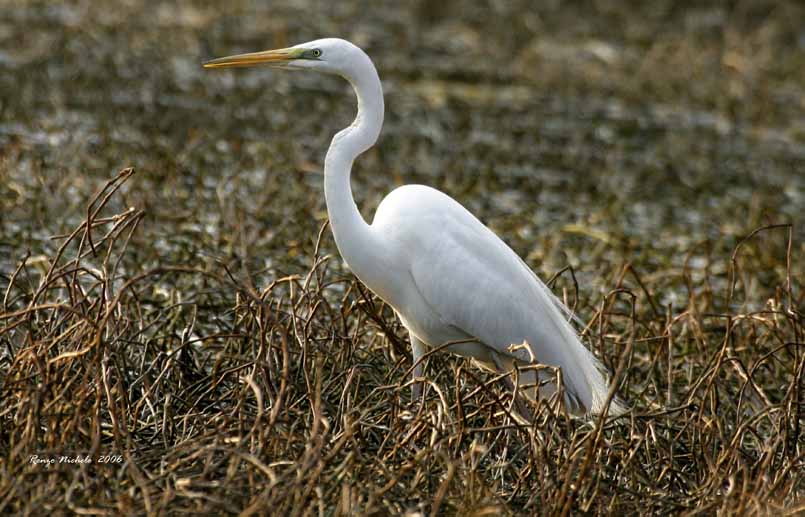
(449, 278)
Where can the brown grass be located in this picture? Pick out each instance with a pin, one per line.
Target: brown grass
(190, 390)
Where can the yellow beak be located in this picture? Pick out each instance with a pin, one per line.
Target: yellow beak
(276, 57)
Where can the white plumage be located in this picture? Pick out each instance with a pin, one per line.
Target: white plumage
(447, 276)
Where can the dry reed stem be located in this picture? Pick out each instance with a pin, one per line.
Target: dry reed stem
(293, 399)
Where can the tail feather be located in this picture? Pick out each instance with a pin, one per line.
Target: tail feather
(585, 377)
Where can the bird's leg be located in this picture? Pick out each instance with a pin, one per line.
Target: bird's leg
(507, 364)
(418, 350)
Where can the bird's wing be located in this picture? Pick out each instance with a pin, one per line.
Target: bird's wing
(479, 285)
(482, 288)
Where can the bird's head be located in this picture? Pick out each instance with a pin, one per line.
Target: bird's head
(331, 55)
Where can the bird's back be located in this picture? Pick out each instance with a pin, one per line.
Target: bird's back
(465, 278)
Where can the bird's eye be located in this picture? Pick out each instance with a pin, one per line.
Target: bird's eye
(315, 52)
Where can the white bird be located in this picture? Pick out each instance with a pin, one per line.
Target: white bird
(448, 277)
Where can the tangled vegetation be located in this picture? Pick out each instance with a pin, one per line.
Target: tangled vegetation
(190, 389)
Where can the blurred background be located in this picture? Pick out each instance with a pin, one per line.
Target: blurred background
(629, 130)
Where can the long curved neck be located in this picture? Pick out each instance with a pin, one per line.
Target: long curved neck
(353, 235)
